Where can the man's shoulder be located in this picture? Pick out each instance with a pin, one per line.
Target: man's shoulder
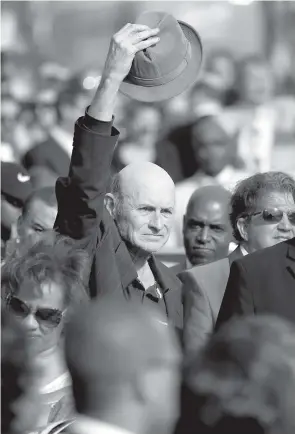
(169, 274)
(208, 270)
(261, 259)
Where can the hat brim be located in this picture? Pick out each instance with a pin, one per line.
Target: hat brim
(175, 87)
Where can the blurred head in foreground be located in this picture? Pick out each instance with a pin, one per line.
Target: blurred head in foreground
(129, 373)
(14, 366)
(244, 380)
(40, 281)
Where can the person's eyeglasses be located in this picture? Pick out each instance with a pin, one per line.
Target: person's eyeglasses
(46, 316)
(275, 215)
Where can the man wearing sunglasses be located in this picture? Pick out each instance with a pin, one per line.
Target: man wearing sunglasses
(264, 281)
(259, 206)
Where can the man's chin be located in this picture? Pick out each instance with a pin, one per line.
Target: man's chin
(201, 260)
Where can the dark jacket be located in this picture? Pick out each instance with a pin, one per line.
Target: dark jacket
(261, 283)
(82, 216)
(203, 290)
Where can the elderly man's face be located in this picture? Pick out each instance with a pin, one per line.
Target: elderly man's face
(263, 233)
(212, 147)
(145, 216)
(206, 231)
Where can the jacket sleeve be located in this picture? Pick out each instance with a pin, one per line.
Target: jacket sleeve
(80, 196)
(198, 318)
(238, 299)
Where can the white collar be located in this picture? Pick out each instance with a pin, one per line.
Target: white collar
(243, 250)
(86, 425)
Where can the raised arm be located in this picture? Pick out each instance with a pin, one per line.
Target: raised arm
(80, 196)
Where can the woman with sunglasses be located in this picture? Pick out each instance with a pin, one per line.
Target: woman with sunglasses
(41, 283)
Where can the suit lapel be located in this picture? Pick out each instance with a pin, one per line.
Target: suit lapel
(290, 257)
(236, 254)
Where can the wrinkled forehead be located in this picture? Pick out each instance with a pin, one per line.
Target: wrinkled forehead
(149, 191)
(275, 199)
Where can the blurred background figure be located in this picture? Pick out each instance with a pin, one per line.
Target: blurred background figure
(121, 385)
(14, 367)
(213, 148)
(38, 215)
(40, 284)
(16, 187)
(54, 153)
(243, 381)
(142, 123)
(221, 70)
(206, 226)
(255, 113)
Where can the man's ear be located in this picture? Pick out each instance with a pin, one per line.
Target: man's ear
(242, 225)
(109, 202)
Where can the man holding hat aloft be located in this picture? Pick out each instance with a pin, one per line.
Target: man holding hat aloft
(152, 60)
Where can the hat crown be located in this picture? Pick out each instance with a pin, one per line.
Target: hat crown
(164, 61)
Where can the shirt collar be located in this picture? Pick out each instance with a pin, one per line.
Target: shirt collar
(86, 425)
(243, 250)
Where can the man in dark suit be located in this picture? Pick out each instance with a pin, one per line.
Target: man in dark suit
(204, 286)
(264, 282)
(122, 237)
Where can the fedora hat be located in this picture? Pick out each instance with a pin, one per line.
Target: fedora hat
(169, 67)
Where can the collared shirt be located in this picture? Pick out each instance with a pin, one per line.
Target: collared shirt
(154, 294)
(243, 250)
(87, 425)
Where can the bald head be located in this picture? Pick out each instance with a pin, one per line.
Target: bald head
(142, 203)
(206, 225)
(119, 341)
(209, 194)
(144, 175)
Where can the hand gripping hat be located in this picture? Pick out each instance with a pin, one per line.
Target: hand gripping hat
(168, 68)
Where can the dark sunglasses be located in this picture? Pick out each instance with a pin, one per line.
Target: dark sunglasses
(275, 215)
(47, 316)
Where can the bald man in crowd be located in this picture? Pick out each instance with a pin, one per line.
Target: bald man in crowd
(122, 230)
(206, 226)
(119, 385)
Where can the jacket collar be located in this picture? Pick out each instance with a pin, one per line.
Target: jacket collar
(236, 254)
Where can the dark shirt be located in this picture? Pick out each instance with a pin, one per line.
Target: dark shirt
(135, 291)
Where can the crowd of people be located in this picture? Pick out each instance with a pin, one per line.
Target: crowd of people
(111, 340)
